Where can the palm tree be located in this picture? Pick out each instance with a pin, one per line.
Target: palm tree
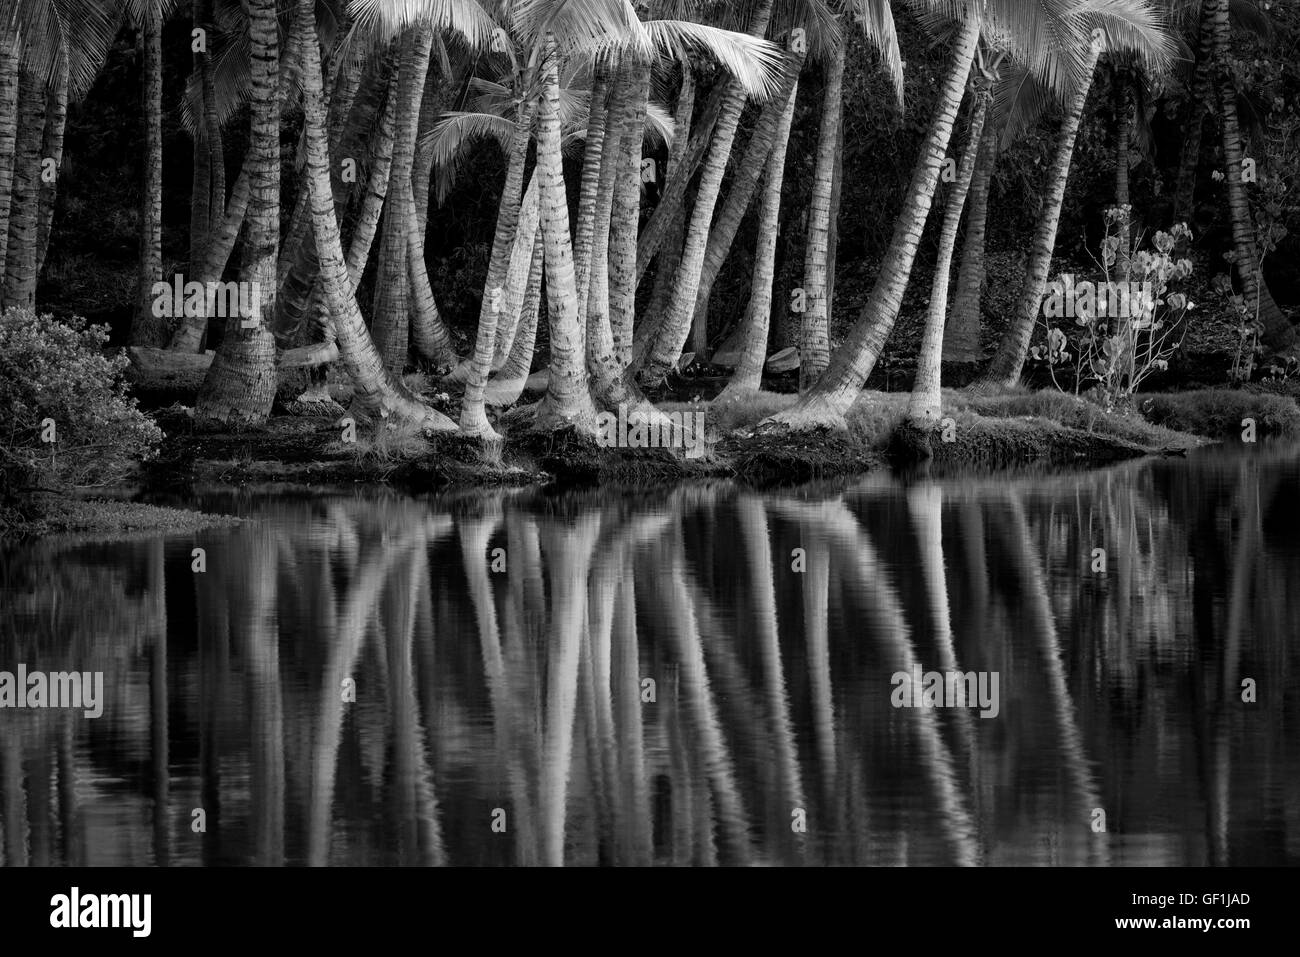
(240, 384)
(1278, 332)
(1128, 27)
(749, 373)
(961, 341)
(923, 408)
(376, 390)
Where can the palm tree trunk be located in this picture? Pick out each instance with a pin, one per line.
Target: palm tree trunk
(1194, 126)
(740, 192)
(473, 415)
(200, 200)
(149, 330)
(429, 334)
(758, 314)
(670, 256)
(227, 223)
(923, 408)
(653, 365)
(9, 85)
(507, 384)
(625, 215)
(567, 400)
(961, 342)
(376, 391)
(20, 264)
(1123, 143)
(1278, 332)
(1004, 370)
(56, 118)
(814, 331)
(594, 157)
(838, 388)
(240, 384)
(390, 322)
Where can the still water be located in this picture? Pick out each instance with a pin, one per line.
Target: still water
(706, 675)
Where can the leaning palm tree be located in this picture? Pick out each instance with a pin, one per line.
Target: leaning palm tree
(1027, 28)
(923, 408)
(1129, 27)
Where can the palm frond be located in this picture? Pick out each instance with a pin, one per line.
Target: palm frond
(875, 18)
(388, 17)
(756, 64)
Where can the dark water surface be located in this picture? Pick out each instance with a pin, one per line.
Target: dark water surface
(695, 676)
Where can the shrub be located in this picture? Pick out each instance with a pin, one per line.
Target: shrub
(65, 417)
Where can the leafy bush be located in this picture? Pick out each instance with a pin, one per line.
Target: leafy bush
(65, 417)
(1219, 413)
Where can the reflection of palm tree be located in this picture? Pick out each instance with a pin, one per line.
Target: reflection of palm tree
(1032, 584)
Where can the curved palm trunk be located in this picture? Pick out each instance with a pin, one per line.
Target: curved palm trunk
(593, 308)
(240, 384)
(758, 314)
(740, 191)
(672, 201)
(1278, 332)
(814, 331)
(390, 323)
(923, 408)
(507, 385)
(56, 118)
(676, 235)
(1004, 370)
(662, 352)
(594, 158)
(517, 273)
(20, 263)
(9, 70)
(376, 391)
(473, 416)
(961, 341)
(567, 400)
(838, 388)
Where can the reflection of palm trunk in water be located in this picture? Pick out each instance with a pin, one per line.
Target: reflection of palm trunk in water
(158, 706)
(883, 608)
(254, 631)
(1033, 585)
(676, 601)
(568, 557)
(925, 503)
(412, 791)
(344, 638)
(753, 525)
(474, 535)
(15, 801)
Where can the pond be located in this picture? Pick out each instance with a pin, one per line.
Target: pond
(1094, 668)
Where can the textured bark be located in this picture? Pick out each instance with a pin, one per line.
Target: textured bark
(518, 272)
(1194, 126)
(56, 118)
(593, 156)
(390, 321)
(758, 314)
(1278, 332)
(600, 337)
(507, 384)
(625, 215)
(147, 329)
(923, 408)
(567, 401)
(662, 354)
(240, 385)
(961, 342)
(814, 330)
(8, 137)
(670, 255)
(227, 224)
(1004, 370)
(740, 192)
(473, 415)
(1123, 143)
(672, 201)
(375, 390)
(20, 264)
(835, 392)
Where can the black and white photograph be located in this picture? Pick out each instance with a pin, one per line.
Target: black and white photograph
(498, 434)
